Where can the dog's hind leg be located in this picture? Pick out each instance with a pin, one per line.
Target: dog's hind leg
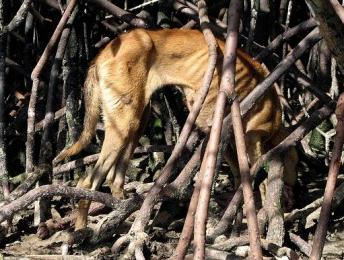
(107, 159)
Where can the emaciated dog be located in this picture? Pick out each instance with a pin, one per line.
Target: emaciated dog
(125, 74)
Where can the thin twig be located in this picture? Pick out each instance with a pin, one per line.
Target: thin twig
(190, 10)
(228, 216)
(311, 86)
(144, 4)
(45, 150)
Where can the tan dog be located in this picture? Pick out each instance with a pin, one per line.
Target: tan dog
(124, 75)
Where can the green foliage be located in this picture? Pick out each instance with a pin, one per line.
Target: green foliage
(317, 140)
(157, 129)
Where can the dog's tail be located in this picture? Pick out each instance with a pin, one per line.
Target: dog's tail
(92, 113)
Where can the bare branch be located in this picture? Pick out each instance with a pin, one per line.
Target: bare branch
(306, 25)
(3, 154)
(273, 203)
(186, 235)
(94, 157)
(227, 86)
(120, 13)
(319, 237)
(252, 99)
(59, 190)
(35, 78)
(301, 244)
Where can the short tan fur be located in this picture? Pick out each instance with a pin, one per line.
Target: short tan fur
(124, 75)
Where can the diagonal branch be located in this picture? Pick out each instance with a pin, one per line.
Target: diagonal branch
(251, 100)
(306, 25)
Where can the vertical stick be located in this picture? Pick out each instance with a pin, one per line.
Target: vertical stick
(228, 77)
(255, 7)
(320, 233)
(3, 160)
(45, 155)
(186, 234)
(227, 86)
